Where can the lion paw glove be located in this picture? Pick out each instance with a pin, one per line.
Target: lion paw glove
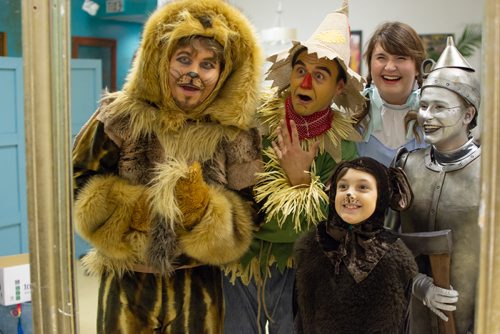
(141, 215)
(435, 298)
(191, 193)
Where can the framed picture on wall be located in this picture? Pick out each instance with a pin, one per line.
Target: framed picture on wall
(434, 44)
(98, 48)
(356, 54)
(3, 44)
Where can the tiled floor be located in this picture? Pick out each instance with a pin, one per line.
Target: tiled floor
(87, 288)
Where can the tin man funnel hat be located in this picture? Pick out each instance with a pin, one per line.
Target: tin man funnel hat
(453, 72)
(331, 40)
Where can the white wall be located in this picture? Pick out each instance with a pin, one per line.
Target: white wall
(425, 16)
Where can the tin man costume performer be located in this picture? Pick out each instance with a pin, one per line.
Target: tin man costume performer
(308, 77)
(161, 172)
(445, 179)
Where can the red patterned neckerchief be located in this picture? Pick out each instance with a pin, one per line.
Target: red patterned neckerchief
(308, 126)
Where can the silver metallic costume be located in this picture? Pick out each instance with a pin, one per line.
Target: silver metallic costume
(446, 187)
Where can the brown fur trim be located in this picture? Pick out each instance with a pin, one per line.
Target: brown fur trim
(95, 264)
(245, 147)
(103, 217)
(242, 175)
(127, 115)
(162, 190)
(195, 141)
(243, 159)
(133, 121)
(162, 247)
(225, 232)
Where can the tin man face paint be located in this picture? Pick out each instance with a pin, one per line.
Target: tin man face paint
(444, 117)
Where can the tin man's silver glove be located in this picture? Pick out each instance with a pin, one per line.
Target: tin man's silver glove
(435, 298)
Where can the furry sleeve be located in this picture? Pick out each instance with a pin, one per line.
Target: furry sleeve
(104, 212)
(93, 153)
(224, 233)
(105, 203)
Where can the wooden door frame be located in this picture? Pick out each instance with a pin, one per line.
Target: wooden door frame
(77, 41)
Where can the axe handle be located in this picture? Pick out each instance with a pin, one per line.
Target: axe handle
(440, 265)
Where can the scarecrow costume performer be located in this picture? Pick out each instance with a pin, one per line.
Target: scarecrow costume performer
(314, 74)
(162, 172)
(350, 267)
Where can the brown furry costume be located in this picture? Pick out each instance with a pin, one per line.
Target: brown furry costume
(356, 278)
(157, 241)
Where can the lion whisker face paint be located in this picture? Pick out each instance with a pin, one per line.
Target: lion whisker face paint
(191, 80)
(356, 197)
(194, 72)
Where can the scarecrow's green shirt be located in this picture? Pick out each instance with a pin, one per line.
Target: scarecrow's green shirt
(290, 211)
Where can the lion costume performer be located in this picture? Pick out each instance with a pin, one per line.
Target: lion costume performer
(162, 172)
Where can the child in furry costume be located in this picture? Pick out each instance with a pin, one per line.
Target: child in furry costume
(162, 172)
(350, 267)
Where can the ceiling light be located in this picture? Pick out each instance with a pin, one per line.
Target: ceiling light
(91, 7)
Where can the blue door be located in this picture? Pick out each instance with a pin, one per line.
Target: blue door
(86, 83)
(13, 212)
(85, 93)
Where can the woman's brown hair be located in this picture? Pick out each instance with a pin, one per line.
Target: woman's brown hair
(397, 38)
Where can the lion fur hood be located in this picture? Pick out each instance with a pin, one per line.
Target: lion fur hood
(146, 97)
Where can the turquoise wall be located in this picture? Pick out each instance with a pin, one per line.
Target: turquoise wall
(10, 22)
(127, 34)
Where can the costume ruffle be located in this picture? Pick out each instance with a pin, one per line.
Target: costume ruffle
(358, 249)
(283, 200)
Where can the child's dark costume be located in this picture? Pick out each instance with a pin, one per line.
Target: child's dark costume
(160, 192)
(356, 278)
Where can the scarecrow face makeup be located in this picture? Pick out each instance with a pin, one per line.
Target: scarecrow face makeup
(444, 118)
(193, 74)
(356, 197)
(313, 83)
